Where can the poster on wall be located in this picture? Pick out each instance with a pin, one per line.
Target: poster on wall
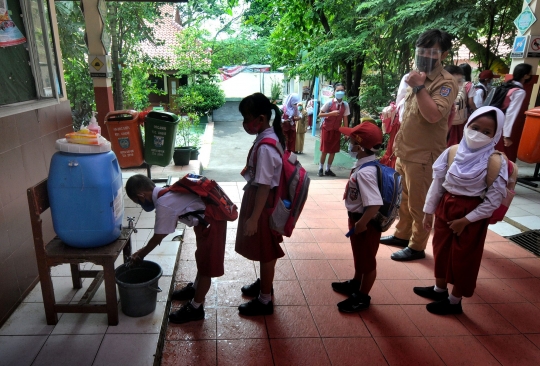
(10, 35)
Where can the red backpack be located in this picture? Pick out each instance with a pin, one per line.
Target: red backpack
(293, 187)
(218, 205)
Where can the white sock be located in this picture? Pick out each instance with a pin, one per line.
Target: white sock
(454, 300)
(328, 167)
(320, 166)
(438, 289)
(195, 304)
(265, 298)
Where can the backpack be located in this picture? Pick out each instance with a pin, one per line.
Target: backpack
(218, 205)
(390, 118)
(293, 187)
(494, 166)
(389, 182)
(499, 97)
(462, 110)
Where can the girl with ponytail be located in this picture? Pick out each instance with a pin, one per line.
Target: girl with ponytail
(254, 238)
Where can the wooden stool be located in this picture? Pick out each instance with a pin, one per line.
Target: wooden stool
(56, 252)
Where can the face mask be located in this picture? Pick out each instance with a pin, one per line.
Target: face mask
(340, 94)
(300, 108)
(251, 127)
(425, 59)
(475, 139)
(353, 154)
(147, 206)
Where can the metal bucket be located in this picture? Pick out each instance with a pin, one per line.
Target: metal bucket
(138, 287)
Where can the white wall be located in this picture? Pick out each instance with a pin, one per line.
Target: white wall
(246, 83)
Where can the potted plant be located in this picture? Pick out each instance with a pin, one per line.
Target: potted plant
(187, 140)
(201, 98)
(275, 92)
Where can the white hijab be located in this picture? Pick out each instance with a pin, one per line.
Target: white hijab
(470, 166)
(289, 104)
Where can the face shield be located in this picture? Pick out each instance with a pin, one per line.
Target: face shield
(425, 59)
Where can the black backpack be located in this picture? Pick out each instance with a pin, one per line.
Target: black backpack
(497, 95)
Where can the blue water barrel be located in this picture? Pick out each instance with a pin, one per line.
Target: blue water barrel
(85, 194)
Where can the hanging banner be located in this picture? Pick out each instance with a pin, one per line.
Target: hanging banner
(10, 35)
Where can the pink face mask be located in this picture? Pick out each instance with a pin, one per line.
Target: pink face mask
(252, 127)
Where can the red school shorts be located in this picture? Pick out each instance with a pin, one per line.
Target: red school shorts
(210, 253)
(364, 246)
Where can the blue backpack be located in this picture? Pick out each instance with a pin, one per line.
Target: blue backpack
(389, 182)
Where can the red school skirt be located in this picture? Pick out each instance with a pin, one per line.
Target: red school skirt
(457, 258)
(330, 141)
(264, 245)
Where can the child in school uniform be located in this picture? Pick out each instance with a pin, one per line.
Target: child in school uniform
(290, 117)
(363, 200)
(172, 207)
(301, 129)
(462, 204)
(254, 238)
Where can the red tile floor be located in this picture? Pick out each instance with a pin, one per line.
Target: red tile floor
(500, 324)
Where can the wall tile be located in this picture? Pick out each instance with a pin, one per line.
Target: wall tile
(63, 115)
(25, 265)
(13, 177)
(18, 220)
(34, 162)
(9, 288)
(5, 248)
(47, 120)
(9, 135)
(48, 143)
(27, 126)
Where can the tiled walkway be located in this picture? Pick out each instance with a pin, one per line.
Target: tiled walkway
(500, 324)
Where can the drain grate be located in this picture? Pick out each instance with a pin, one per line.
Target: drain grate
(529, 240)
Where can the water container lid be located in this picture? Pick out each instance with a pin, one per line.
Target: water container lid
(63, 145)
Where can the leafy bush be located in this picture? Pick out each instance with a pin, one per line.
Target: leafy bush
(377, 92)
(187, 134)
(200, 98)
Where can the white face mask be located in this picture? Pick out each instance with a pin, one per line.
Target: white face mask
(475, 139)
(354, 153)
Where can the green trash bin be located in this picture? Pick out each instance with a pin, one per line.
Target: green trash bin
(159, 137)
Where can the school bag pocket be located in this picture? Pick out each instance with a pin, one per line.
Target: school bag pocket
(279, 217)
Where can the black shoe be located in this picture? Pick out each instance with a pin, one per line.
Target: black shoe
(254, 307)
(187, 313)
(443, 307)
(320, 173)
(186, 293)
(356, 302)
(430, 293)
(329, 173)
(254, 289)
(394, 241)
(407, 254)
(347, 287)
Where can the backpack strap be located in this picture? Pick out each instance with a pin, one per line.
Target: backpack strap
(452, 151)
(377, 165)
(506, 102)
(264, 141)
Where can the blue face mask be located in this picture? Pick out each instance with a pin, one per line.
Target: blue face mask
(339, 94)
(147, 206)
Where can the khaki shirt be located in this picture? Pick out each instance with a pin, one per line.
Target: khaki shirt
(418, 140)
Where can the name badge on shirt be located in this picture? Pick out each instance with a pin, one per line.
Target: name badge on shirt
(445, 91)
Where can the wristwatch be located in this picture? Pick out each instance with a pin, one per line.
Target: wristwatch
(416, 89)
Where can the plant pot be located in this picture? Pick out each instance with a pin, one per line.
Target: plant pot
(194, 154)
(181, 155)
(203, 119)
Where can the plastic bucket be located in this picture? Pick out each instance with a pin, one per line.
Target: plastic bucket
(138, 287)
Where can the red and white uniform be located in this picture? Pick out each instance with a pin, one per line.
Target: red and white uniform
(330, 134)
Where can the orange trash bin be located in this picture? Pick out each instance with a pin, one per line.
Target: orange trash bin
(529, 145)
(126, 138)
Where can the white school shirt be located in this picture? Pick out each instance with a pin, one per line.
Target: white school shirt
(401, 94)
(492, 199)
(326, 107)
(269, 163)
(472, 90)
(172, 205)
(366, 193)
(479, 95)
(516, 100)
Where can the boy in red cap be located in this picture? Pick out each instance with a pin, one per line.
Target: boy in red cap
(483, 87)
(362, 200)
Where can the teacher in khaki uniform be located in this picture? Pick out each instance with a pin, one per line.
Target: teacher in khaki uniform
(421, 139)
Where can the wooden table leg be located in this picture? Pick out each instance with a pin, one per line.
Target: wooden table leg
(110, 292)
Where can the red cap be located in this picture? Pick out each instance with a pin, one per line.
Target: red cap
(367, 134)
(488, 74)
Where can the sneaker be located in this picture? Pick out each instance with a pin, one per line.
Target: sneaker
(347, 287)
(254, 307)
(187, 313)
(329, 173)
(320, 173)
(444, 307)
(186, 293)
(254, 289)
(356, 302)
(430, 293)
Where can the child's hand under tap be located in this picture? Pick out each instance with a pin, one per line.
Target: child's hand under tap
(458, 225)
(427, 222)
